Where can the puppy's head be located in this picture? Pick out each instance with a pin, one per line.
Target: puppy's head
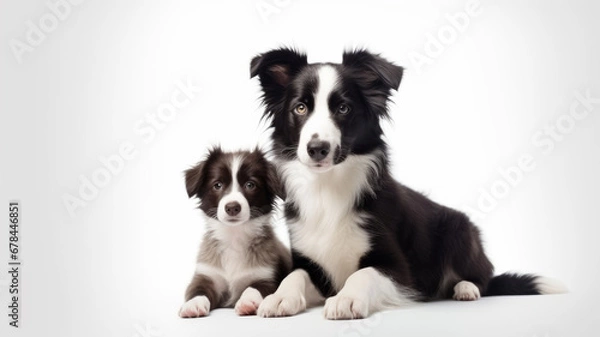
(233, 187)
(323, 112)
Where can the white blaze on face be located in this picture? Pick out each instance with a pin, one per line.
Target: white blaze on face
(234, 195)
(320, 123)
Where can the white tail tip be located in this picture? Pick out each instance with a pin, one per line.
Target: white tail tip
(548, 286)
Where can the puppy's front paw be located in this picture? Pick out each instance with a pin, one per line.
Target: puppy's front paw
(248, 302)
(466, 291)
(345, 307)
(277, 305)
(198, 306)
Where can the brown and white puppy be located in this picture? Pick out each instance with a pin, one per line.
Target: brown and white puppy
(240, 259)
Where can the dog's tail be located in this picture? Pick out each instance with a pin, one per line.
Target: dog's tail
(523, 284)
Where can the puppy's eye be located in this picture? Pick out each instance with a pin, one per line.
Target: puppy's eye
(301, 109)
(343, 109)
(249, 185)
(218, 185)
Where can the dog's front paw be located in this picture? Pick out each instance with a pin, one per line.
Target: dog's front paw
(198, 306)
(345, 307)
(466, 291)
(248, 302)
(277, 305)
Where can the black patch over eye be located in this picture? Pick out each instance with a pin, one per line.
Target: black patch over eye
(300, 109)
(218, 185)
(249, 185)
(343, 109)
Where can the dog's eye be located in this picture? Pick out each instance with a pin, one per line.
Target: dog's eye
(343, 109)
(250, 185)
(301, 109)
(218, 185)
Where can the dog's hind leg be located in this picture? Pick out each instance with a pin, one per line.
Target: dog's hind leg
(466, 291)
(467, 270)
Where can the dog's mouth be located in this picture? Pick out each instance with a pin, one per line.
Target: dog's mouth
(327, 163)
(322, 166)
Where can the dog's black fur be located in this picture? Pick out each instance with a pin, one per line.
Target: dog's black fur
(415, 241)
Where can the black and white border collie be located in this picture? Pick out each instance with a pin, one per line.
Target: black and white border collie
(361, 240)
(240, 259)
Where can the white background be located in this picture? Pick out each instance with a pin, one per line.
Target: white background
(120, 265)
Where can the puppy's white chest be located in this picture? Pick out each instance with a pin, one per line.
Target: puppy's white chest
(235, 269)
(235, 274)
(234, 264)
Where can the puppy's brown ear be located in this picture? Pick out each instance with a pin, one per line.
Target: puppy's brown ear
(193, 179)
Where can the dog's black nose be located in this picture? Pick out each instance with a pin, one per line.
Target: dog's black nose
(317, 150)
(233, 208)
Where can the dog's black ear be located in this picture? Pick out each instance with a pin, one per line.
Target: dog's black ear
(373, 69)
(275, 70)
(376, 77)
(278, 66)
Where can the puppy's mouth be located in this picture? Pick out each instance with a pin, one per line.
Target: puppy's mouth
(233, 221)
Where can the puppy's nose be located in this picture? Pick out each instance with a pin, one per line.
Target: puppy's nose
(317, 149)
(233, 208)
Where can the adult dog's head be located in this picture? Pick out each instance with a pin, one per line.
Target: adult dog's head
(323, 112)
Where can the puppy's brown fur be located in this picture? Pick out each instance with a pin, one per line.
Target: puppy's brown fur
(240, 259)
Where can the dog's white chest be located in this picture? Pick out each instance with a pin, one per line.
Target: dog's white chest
(336, 246)
(328, 230)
